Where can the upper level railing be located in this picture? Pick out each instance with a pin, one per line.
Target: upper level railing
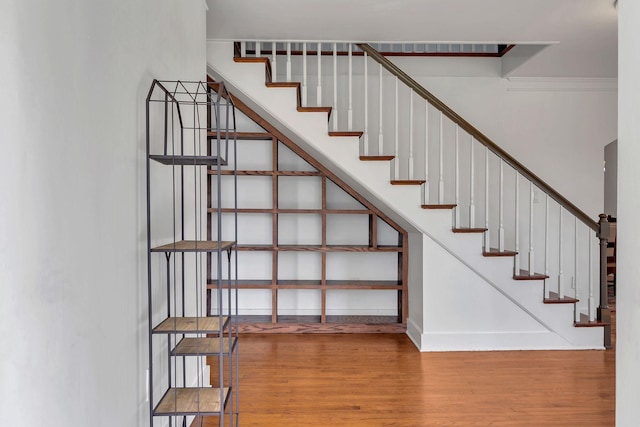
(457, 164)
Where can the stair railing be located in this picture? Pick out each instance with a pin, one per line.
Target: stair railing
(456, 165)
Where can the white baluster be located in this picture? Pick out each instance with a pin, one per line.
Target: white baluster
(472, 186)
(501, 207)
(487, 235)
(396, 159)
(426, 152)
(531, 200)
(288, 61)
(441, 160)
(350, 113)
(592, 305)
(334, 113)
(411, 134)
(366, 108)
(546, 244)
(274, 71)
(258, 49)
(380, 107)
(304, 74)
(516, 260)
(457, 173)
(319, 88)
(243, 49)
(575, 266)
(561, 291)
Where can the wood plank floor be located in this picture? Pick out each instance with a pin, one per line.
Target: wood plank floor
(382, 380)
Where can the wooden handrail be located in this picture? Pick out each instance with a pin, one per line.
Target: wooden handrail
(479, 136)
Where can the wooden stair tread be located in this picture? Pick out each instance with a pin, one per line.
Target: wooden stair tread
(585, 323)
(194, 246)
(346, 133)
(283, 84)
(524, 275)
(555, 298)
(192, 401)
(314, 109)
(493, 252)
(376, 158)
(468, 230)
(190, 325)
(202, 346)
(443, 206)
(407, 181)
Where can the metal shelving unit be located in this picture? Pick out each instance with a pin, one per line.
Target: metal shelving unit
(190, 132)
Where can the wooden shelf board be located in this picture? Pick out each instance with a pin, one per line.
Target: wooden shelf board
(205, 346)
(242, 136)
(294, 211)
(194, 246)
(364, 284)
(190, 325)
(242, 284)
(319, 248)
(264, 173)
(311, 324)
(191, 401)
(493, 252)
(187, 160)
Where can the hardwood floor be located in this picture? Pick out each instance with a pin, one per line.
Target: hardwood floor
(382, 380)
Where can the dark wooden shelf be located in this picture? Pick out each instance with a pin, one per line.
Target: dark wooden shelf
(312, 284)
(188, 160)
(194, 246)
(265, 173)
(313, 324)
(319, 248)
(241, 136)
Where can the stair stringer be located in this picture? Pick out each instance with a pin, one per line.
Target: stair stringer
(402, 203)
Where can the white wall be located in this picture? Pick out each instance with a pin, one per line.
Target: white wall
(628, 292)
(72, 211)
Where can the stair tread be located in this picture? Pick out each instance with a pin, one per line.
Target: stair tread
(493, 252)
(468, 230)
(524, 275)
(407, 181)
(585, 323)
(283, 84)
(443, 206)
(554, 298)
(346, 133)
(376, 158)
(314, 109)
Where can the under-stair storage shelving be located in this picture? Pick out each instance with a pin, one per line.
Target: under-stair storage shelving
(319, 257)
(190, 137)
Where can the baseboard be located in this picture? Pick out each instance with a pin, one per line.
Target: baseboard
(414, 332)
(495, 341)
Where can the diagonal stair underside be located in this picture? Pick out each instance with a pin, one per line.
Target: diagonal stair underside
(280, 105)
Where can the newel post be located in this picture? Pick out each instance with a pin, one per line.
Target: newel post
(604, 313)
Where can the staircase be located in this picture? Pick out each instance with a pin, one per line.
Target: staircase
(464, 292)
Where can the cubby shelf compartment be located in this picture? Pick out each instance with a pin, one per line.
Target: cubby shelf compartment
(192, 401)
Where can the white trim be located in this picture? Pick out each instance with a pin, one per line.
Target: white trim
(414, 332)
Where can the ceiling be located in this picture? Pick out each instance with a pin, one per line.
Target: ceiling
(582, 33)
